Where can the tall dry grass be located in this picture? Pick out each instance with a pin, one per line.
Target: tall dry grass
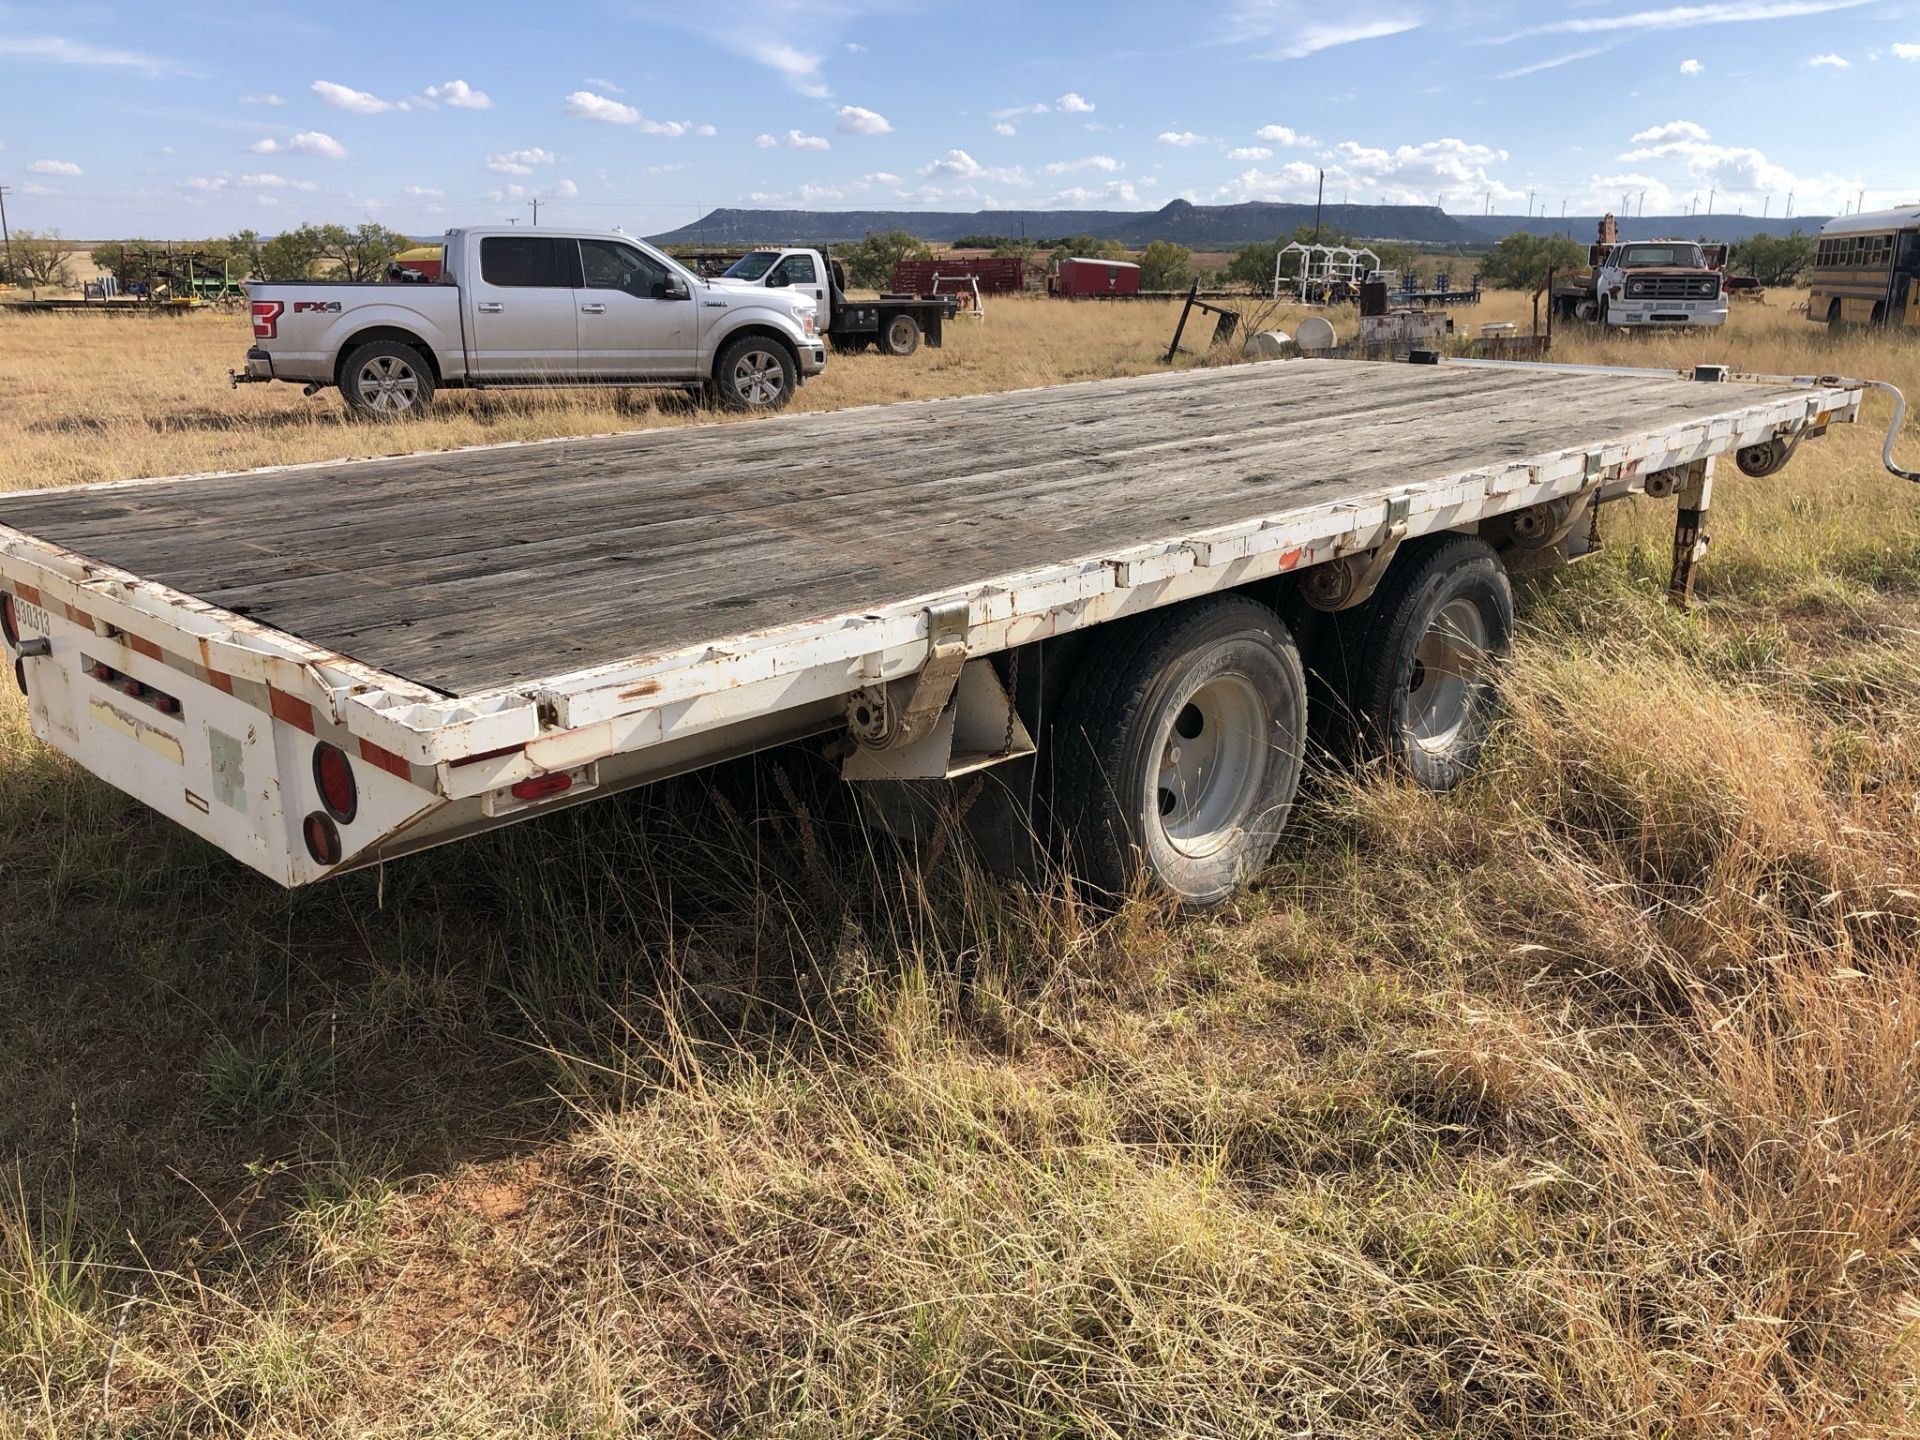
(1585, 1102)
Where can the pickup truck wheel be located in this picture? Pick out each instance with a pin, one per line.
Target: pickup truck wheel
(754, 373)
(1179, 751)
(385, 380)
(902, 335)
(1414, 674)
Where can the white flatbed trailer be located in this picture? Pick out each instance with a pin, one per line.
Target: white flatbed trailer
(482, 635)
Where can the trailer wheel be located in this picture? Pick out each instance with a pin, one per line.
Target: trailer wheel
(1836, 317)
(1179, 750)
(1414, 674)
(386, 380)
(902, 335)
(754, 373)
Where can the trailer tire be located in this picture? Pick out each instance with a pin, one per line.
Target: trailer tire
(1178, 752)
(1414, 674)
(386, 380)
(901, 335)
(755, 374)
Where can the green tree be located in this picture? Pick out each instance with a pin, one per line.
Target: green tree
(290, 255)
(1396, 255)
(244, 247)
(362, 253)
(1166, 266)
(1775, 259)
(870, 263)
(40, 259)
(1087, 247)
(1523, 261)
(1252, 265)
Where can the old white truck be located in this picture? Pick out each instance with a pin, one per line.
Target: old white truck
(519, 307)
(1646, 284)
(895, 323)
(1095, 607)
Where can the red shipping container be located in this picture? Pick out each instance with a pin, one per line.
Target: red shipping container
(1097, 277)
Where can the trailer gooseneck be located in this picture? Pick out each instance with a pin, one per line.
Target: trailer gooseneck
(320, 667)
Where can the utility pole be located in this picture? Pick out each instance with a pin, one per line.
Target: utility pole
(1319, 205)
(535, 203)
(5, 234)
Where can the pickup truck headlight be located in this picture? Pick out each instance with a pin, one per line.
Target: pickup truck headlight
(810, 323)
(1636, 288)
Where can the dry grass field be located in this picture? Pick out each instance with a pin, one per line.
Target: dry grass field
(1582, 1103)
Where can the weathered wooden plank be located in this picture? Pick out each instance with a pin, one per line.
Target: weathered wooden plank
(470, 570)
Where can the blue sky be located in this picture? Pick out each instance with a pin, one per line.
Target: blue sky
(120, 119)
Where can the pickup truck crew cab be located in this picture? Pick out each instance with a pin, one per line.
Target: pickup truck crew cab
(535, 307)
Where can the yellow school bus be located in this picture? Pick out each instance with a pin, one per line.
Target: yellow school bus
(1867, 270)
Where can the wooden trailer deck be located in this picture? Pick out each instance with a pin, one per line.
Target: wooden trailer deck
(467, 571)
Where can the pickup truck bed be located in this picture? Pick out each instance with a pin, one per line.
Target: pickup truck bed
(470, 570)
(609, 610)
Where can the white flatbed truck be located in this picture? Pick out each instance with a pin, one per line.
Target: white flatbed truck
(320, 667)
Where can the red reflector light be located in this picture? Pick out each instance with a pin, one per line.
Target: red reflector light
(323, 839)
(333, 778)
(9, 621)
(266, 319)
(542, 786)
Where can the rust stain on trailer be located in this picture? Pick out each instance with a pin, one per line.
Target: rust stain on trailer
(642, 690)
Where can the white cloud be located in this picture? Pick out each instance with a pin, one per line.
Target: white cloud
(585, 105)
(1836, 62)
(854, 47)
(519, 162)
(1003, 128)
(1114, 192)
(956, 164)
(667, 169)
(1904, 51)
(317, 142)
(267, 146)
(1284, 135)
(1072, 103)
(345, 97)
(274, 182)
(1295, 29)
(607, 85)
(460, 95)
(858, 120)
(1687, 17)
(58, 50)
(1692, 67)
(800, 68)
(423, 192)
(54, 167)
(35, 188)
(562, 190)
(1553, 62)
(1091, 162)
(1007, 112)
(1403, 175)
(1182, 138)
(793, 140)
(1249, 152)
(263, 99)
(1672, 130)
(880, 177)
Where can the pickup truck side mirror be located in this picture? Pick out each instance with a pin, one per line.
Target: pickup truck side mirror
(778, 280)
(675, 289)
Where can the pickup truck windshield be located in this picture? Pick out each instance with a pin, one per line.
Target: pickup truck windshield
(751, 266)
(1681, 256)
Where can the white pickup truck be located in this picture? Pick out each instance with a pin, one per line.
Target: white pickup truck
(519, 307)
(894, 323)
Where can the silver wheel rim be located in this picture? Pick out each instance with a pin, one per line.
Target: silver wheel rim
(1448, 669)
(388, 385)
(1212, 766)
(900, 333)
(758, 378)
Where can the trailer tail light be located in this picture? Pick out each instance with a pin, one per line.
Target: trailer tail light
(266, 319)
(333, 778)
(323, 838)
(542, 787)
(9, 621)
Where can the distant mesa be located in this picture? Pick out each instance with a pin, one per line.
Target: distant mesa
(1205, 227)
